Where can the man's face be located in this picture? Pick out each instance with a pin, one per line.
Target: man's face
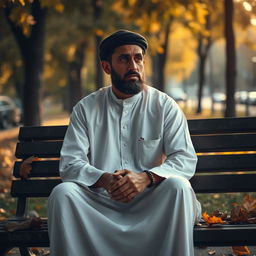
(127, 69)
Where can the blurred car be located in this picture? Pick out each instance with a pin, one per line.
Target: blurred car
(252, 98)
(219, 97)
(246, 97)
(10, 114)
(241, 97)
(178, 94)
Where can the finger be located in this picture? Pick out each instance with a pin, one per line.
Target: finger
(116, 184)
(121, 195)
(127, 198)
(120, 172)
(123, 190)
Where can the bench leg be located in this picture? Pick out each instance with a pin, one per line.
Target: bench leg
(24, 251)
(4, 250)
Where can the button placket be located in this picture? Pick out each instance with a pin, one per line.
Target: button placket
(125, 136)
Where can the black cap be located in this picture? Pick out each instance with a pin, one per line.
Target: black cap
(119, 38)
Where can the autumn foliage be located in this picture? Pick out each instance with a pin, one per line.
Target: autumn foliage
(212, 219)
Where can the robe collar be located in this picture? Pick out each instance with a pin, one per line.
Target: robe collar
(131, 101)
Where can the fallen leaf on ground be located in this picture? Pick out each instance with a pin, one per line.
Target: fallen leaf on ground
(240, 250)
(211, 252)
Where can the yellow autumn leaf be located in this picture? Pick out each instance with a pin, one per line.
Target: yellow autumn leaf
(160, 50)
(22, 2)
(132, 2)
(99, 32)
(59, 7)
(154, 27)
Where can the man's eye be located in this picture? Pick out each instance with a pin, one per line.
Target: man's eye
(124, 58)
(138, 58)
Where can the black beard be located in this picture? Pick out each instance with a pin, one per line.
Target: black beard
(128, 87)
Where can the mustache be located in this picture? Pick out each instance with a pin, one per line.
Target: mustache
(132, 73)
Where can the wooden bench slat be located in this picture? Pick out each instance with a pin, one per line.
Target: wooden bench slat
(40, 169)
(40, 149)
(200, 183)
(206, 163)
(225, 235)
(222, 143)
(224, 183)
(222, 125)
(226, 163)
(30, 133)
(196, 126)
(33, 188)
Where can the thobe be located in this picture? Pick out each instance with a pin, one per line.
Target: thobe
(145, 132)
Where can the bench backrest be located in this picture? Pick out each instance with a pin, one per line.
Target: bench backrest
(226, 147)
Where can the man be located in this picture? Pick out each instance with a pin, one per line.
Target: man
(125, 162)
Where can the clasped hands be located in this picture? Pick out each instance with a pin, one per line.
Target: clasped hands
(124, 185)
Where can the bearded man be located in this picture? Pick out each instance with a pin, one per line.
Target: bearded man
(126, 162)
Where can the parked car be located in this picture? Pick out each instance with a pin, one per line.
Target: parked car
(10, 114)
(252, 98)
(178, 94)
(241, 97)
(219, 97)
(246, 97)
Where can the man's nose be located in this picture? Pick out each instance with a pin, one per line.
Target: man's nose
(133, 65)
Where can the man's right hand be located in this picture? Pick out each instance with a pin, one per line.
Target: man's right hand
(106, 180)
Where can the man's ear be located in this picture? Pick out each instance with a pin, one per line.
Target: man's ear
(106, 67)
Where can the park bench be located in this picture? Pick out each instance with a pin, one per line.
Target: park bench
(216, 173)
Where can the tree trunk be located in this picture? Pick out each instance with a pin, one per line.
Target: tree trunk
(32, 51)
(97, 13)
(201, 79)
(202, 51)
(158, 71)
(159, 61)
(230, 59)
(74, 76)
(98, 69)
(204, 44)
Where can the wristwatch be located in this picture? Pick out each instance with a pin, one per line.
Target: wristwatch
(151, 177)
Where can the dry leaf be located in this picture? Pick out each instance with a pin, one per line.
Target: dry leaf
(211, 252)
(34, 223)
(240, 250)
(212, 219)
(26, 167)
(249, 203)
(239, 215)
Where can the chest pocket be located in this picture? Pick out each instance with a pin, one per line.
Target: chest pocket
(150, 153)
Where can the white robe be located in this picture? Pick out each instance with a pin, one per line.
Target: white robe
(145, 132)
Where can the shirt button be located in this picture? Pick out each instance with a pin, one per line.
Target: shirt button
(124, 127)
(126, 162)
(125, 144)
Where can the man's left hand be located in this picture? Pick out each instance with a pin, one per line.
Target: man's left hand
(128, 187)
